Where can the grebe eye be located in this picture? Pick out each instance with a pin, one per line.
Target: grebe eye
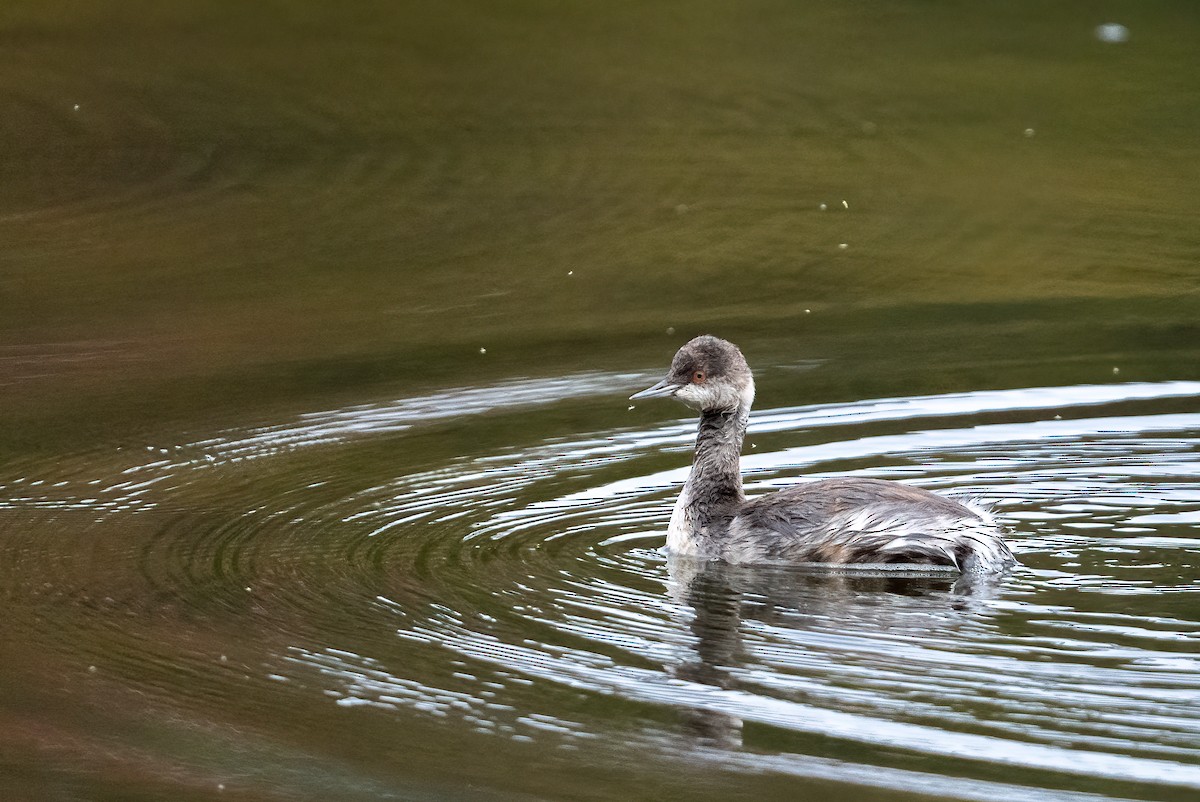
(698, 377)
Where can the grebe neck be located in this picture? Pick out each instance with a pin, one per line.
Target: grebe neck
(714, 486)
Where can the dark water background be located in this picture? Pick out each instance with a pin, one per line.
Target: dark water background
(318, 480)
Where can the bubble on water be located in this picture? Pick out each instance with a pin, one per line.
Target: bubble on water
(1112, 33)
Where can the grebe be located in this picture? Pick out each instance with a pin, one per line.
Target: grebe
(838, 521)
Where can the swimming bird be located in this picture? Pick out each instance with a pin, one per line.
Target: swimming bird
(844, 521)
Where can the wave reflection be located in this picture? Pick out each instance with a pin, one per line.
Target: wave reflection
(521, 593)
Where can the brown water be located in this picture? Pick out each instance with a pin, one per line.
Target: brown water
(318, 480)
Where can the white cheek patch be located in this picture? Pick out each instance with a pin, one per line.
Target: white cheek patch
(715, 395)
(693, 395)
(748, 394)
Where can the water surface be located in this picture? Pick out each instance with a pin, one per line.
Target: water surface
(317, 473)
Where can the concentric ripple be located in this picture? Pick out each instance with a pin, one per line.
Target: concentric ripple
(520, 592)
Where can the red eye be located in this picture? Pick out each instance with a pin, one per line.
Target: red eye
(698, 377)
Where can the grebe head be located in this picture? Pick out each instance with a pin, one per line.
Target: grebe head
(709, 374)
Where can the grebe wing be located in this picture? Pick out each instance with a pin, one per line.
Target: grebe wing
(870, 521)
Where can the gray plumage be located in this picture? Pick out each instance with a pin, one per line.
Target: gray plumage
(842, 521)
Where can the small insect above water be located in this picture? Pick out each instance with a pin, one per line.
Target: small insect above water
(841, 521)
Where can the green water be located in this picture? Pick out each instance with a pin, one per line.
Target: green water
(224, 221)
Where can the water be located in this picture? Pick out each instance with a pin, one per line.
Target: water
(317, 473)
(298, 582)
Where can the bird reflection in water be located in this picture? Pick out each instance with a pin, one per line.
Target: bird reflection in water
(718, 597)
